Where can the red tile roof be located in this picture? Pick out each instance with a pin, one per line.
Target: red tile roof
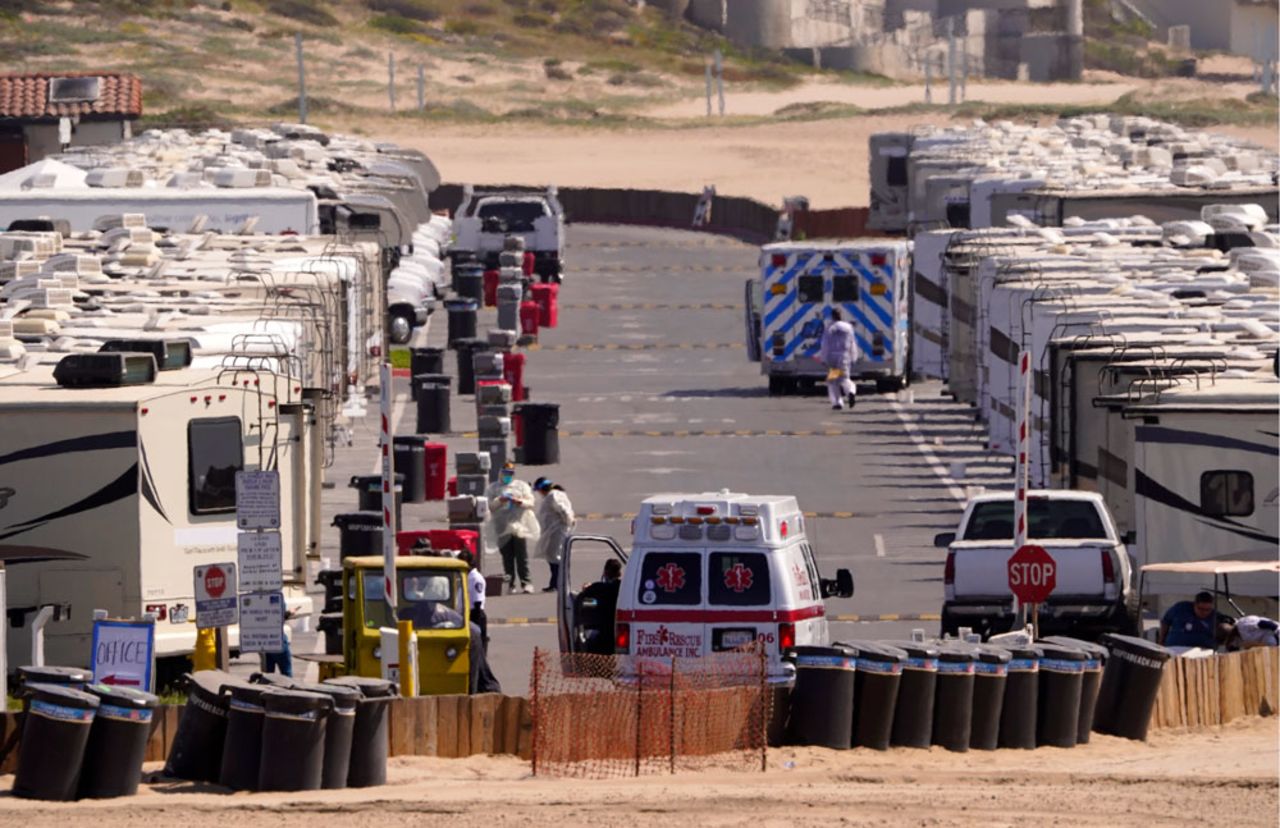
(27, 96)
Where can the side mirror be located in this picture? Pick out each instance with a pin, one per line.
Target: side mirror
(1129, 538)
(839, 587)
(944, 539)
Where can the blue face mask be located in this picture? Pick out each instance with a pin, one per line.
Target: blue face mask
(507, 477)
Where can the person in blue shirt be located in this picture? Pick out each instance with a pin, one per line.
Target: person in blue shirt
(1194, 624)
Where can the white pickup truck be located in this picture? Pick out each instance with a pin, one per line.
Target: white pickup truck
(485, 219)
(1094, 592)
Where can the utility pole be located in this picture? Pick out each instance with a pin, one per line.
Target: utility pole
(302, 80)
(422, 88)
(391, 79)
(928, 79)
(951, 60)
(708, 87)
(720, 79)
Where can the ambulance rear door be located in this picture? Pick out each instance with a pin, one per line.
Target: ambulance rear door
(667, 603)
(741, 600)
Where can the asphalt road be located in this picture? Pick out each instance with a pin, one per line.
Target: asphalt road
(656, 392)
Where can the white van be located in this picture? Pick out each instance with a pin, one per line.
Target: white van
(706, 573)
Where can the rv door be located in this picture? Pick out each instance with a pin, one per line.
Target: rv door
(579, 616)
(751, 310)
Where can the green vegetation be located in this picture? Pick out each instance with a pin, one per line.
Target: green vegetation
(309, 12)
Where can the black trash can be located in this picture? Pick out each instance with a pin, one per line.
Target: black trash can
(990, 672)
(953, 697)
(462, 321)
(433, 408)
(1091, 682)
(416, 381)
(75, 677)
(469, 283)
(196, 753)
(427, 360)
(1021, 698)
(541, 423)
(369, 491)
(409, 453)
(876, 691)
(466, 349)
(293, 738)
(1130, 684)
(913, 715)
(117, 746)
(55, 732)
(337, 732)
(330, 626)
(360, 533)
(369, 736)
(822, 702)
(1061, 681)
(242, 748)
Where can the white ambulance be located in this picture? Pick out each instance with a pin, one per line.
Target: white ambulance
(707, 573)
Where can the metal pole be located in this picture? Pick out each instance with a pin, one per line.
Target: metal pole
(302, 80)
(4, 639)
(720, 79)
(1021, 467)
(951, 61)
(708, 87)
(764, 708)
(639, 713)
(422, 88)
(964, 70)
(37, 634)
(928, 79)
(388, 493)
(391, 80)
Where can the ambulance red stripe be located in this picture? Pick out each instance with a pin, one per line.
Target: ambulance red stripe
(705, 616)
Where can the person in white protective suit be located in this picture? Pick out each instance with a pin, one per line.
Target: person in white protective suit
(513, 525)
(556, 519)
(839, 352)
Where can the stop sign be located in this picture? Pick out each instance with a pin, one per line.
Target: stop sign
(1033, 574)
(215, 581)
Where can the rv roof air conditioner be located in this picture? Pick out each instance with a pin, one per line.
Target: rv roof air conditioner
(115, 177)
(240, 178)
(105, 370)
(169, 354)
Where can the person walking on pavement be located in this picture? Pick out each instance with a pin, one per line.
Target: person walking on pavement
(839, 352)
(556, 520)
(515, 527)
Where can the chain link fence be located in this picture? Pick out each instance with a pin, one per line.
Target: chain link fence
(597, 717)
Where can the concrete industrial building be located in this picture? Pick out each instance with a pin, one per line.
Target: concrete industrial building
(1241, 27)
(1037, 40)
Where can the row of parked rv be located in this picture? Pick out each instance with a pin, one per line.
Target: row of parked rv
(1153, 364)
(1090, 167)
(175, 309)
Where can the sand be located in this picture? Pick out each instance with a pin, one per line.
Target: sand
(1230, 773)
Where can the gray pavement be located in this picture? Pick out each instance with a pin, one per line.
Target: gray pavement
(656, 395)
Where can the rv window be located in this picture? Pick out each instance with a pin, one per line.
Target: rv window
(670, 578)
(844, 289)
(738, 579)
(1226, 493)
(897, 172)
(214, 455)
(810, 289)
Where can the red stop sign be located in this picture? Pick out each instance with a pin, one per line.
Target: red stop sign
(215, 581)
(1033, 574)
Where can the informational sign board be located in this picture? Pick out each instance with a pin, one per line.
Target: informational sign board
(258, 500)
(1033, 574)
(215, 589)
(123, 653)
(260, 568)
(262, 622)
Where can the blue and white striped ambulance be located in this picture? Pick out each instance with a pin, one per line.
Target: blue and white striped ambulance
(801, 282)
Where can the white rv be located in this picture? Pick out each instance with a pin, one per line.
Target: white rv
(133, 471)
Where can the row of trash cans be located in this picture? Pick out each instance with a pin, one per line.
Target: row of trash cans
(275, 734)
(80, 739)
(965, 696)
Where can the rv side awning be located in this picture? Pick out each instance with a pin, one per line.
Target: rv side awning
(1214, 567)
(34, 554)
